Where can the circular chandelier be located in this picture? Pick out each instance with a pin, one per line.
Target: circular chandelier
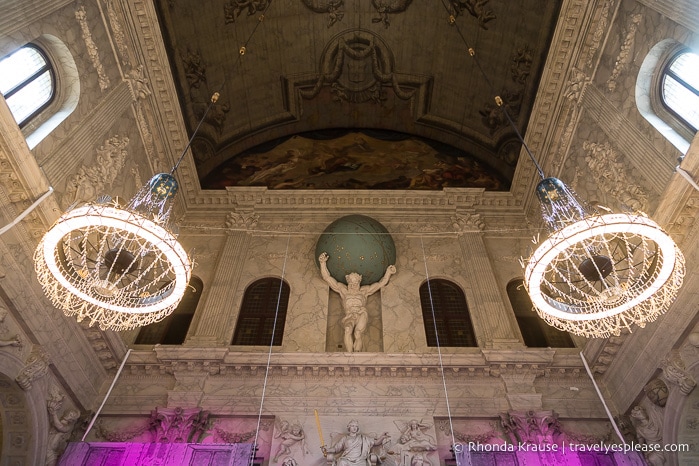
(119, 267)
(597, 274)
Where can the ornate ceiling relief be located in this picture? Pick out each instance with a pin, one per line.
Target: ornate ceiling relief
(385, 7)
(357, 65)
(200, 93)
(575, 88)
(331, 7)
(118, 32)
(81, 16)
(610, 172)
(520, 69)
(476, 8)
(626, 53)
(233, 8)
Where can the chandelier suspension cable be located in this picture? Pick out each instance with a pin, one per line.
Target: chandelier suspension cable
(269, 352)
(596, 274)
(217, 93)
(439, 352)
(498, 100)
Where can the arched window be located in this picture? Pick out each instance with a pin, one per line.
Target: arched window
(447, 303)
(173, 329)
(666, 92)
(535, 332)
(680, 87)
(27, 82)
(265, 301)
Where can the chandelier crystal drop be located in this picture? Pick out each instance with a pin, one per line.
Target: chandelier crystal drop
(118, 267)
(597, 274)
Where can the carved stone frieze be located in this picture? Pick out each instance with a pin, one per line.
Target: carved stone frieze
(369, 68)
(241, 437)
(122, 435)
(178, 425)
(606, 166)
(599, 29)
(92, 50)
(91, 181)
(625, 55)
(118, 32)
(532, 427)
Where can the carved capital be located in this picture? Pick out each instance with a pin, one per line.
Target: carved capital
(465, 222)
(242, 221)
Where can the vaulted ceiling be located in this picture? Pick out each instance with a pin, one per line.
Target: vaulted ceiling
(392, 75)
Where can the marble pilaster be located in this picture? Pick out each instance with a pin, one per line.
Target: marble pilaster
(212, 323)
(490, 317)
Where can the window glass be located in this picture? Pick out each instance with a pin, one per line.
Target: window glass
(680, 88)
(265, 301)
(26, 82)
(444, 308)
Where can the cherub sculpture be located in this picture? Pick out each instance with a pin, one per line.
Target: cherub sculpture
(290, 435)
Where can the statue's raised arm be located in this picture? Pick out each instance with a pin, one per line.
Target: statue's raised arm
(374, 287)
(325, 273)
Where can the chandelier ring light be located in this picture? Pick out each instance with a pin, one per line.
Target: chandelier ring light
(612, 297)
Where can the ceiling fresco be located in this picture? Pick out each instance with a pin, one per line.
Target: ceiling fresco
(343, 159)
(432, 70)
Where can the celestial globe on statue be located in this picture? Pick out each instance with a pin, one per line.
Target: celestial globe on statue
(357, 243)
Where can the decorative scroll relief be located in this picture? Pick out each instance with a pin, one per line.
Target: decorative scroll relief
(90, 182)
(606, 167)
(357, 65)
(92, 50)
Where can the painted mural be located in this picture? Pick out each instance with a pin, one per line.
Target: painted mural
(342, 159)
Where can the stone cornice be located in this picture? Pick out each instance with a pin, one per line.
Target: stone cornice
(474, 363)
